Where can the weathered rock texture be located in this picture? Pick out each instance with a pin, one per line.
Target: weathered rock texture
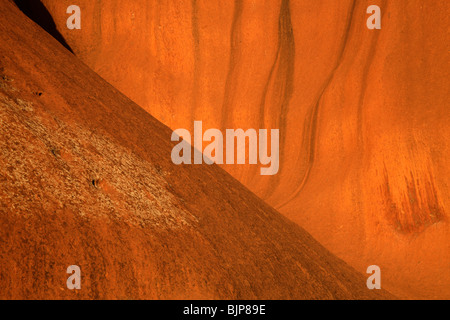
(363, 114)
(86, 179)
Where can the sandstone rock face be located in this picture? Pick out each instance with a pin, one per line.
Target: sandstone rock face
(363, 114)
(86, 179)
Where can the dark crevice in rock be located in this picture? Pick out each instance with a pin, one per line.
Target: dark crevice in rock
(36, 11)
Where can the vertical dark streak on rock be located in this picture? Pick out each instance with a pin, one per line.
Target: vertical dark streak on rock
(266, 87)
(283, 66)
(313, 113)
(372, 50)
(286, 71)
(417, 209)
(359, 131)
(234, 52)
(157, 15)
(97, 31)
(99, 19)
(196, 48)
(115, 13)
(262, 106)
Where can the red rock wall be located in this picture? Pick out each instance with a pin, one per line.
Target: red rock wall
(363, 114)
(86, 179)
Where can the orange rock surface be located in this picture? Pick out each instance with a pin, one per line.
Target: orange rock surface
(363, 114)
(87, 179)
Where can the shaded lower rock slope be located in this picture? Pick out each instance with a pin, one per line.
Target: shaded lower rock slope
(86, 179)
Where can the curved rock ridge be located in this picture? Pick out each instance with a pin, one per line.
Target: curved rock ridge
(86, 179)
(363, 114)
